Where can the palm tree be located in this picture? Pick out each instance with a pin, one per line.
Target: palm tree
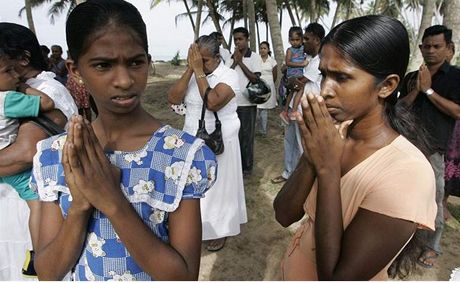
(336, 13)
(155, 3)
(198, 19)
(311, 9)
(56, 9)
(30, 19)
(427, 17)
(287, 5)
(252, 24)
(215, 17)
(275, 31)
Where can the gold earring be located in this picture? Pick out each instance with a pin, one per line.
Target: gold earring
(80, 81)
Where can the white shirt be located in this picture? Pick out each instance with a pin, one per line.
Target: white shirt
(224, 54)
(63, 101)
(311, 71)
(194, 102)
(254, 64)
(267, 75)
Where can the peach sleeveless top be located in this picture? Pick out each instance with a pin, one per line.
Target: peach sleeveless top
(396, 180)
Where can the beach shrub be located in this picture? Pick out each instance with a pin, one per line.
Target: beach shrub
(175, 61)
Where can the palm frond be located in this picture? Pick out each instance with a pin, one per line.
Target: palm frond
(21, 11)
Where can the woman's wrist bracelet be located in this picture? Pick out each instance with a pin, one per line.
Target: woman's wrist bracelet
(201, 76)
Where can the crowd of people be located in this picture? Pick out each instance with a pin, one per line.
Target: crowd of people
(121, 196)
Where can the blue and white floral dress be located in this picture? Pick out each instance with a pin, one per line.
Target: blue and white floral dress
(172, 166)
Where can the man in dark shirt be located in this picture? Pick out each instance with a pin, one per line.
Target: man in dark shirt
(433, 93)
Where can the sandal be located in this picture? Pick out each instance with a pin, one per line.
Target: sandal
(278, 180)
(216, 245)
(428, 258)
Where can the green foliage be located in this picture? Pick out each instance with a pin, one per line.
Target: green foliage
(175, 61)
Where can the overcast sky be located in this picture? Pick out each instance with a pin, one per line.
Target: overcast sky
(165, 38)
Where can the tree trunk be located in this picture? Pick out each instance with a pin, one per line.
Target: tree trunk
(30, 19)
(291, 15)
(258, 35)
(245, 13)
(427, 17)
(230, 37)
(299, 19)
(336, 14)
(252, 25)
(350, 5)
(376, 8)
(312, 11)
(198, 19)
(275, 31)
(281, 17)
(189, 14)
(215, 19)
(452, 21)
(266, 31)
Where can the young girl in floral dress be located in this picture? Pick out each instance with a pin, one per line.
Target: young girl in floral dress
(120, 195)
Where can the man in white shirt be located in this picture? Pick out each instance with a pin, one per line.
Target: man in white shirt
(248, 65)
(224, 53)
(311, 80)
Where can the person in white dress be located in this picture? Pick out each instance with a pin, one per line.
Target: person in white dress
(224, 207)
(14, 214)
(269, 74)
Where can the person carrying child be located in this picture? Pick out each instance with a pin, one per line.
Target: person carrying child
(28, 102)
(295, 63)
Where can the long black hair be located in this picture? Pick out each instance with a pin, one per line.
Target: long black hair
(379, 45)
(268, 47)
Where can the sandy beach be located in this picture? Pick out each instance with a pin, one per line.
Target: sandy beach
(255, 254)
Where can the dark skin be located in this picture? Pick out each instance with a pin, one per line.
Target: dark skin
(18, 156)
(263, 50)
(116, 77)
(371, 240)
(311, 44)
(296, 41)
(201, 63)
(434, 50)
(241, 44)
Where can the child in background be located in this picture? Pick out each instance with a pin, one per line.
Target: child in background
(295, 63)
(29, 102)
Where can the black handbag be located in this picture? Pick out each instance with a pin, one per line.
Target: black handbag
(214, 140)
(257, 92)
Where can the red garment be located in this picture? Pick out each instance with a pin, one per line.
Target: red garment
(452, 172)
(79, 93)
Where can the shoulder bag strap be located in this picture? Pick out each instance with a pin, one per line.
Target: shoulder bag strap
(205, 105)
(47, 125)
(205, 102)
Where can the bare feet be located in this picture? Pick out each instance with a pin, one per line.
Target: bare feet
(216, 245)
(279, 179)
(446, 211)
(428, 258)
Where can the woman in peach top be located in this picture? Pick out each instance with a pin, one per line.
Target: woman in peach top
(365, 188)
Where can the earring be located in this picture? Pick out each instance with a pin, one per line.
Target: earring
(80, 81)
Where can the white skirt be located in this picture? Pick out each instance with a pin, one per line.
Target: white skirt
(223, 208)
(14, 234)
